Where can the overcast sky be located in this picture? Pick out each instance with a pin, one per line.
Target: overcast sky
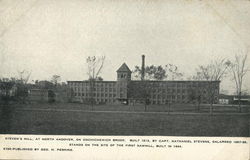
(55, 36)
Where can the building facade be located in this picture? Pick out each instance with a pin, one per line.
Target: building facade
(45, 91)
(127, 91)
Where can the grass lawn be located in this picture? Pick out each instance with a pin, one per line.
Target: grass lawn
(74, 119)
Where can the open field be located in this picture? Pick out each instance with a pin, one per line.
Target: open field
(76, 119)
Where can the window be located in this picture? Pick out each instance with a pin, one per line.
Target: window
(178, 90)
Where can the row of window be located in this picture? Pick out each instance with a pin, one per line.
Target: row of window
(153, 88)
(172, 90)
(121, 95)
(95, 89)
(181, 98)
(96, 84)
(179, 85)
(173, 101)
(167, 97)
(94, 94)
(123, 75)
(153, 84)
(159, 91)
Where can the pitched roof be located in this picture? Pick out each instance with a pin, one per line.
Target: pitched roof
(123, 68)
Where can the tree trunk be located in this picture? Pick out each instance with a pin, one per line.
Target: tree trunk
(92, 94)
(134, 105)
(169, 108)
(211, 108)
(198, 109)
(239, 101)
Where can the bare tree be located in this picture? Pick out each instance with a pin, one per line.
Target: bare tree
(140, 91)
(22, 88)
(24, 76)
(239, 69)
(173, 72)
(6, 85)
(212, 73)
(56, 79)
(95, 66)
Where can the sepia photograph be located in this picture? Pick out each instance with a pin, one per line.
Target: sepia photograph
(125, 68)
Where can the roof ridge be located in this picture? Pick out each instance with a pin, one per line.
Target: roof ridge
(124, 68)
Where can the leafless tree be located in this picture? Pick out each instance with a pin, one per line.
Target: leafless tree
(24, 76)
(212, 72)
(239, 69)
(22, 87)
(95, 66)
(1, 58)
(56, 79)
(173, 72)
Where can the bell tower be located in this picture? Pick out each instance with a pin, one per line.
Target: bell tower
(123, 73)
(123, 78)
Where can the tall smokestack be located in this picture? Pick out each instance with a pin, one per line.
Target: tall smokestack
(143, 68)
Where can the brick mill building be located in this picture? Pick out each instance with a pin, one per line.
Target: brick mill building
(127, 91)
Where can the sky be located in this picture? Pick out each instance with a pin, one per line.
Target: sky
(48, 37)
